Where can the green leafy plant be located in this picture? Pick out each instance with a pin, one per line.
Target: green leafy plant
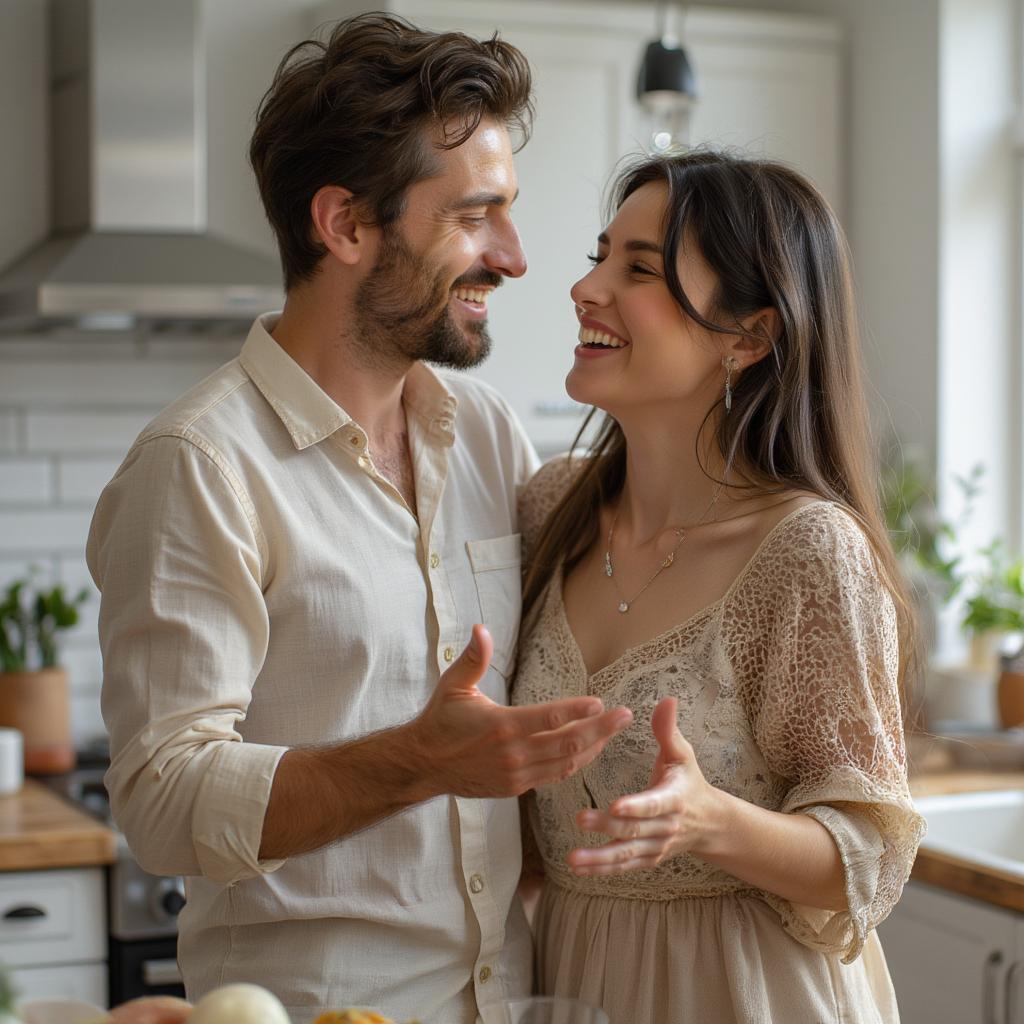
(8, 996)
(997, 601)
(30, 619)
(995, 583)
(917, 532)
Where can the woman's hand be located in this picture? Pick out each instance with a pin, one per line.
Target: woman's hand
(674, 815)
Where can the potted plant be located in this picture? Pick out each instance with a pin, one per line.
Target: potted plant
(33, 687)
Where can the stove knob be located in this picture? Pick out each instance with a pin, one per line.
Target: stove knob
(167, 899)
(173, 902)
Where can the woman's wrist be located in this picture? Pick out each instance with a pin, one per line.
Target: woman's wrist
(717, 815)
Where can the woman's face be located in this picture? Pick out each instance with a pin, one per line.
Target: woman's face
(636, 345)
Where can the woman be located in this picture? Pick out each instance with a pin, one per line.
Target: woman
(717, 563)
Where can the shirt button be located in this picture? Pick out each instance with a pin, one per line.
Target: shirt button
(445, 424)
(476, 884)
(484, 975)
(354, 440)
(448, 654)
(435, 560)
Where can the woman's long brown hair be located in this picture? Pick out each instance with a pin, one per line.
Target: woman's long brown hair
(799, 417)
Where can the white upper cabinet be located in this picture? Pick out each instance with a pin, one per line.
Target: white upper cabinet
(770, 84)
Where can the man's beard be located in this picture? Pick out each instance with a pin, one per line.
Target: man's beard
(402, 311)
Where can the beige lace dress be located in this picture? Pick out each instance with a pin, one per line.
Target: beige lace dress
(786, 689)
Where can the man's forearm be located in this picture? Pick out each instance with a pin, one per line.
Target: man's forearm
(322, 794)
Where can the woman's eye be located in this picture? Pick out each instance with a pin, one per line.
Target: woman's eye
(594, 259)
(639, 268)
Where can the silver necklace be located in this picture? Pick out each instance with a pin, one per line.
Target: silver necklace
(680, 531)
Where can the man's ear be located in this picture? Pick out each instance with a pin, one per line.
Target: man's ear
(337, 224)
(763, 329)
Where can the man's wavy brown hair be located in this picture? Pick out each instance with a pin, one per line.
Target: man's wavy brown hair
(365, 110)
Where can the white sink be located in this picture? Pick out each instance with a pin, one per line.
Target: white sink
(984, 828)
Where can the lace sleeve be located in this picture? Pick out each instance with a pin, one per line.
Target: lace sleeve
(826, 715)
(541, 495)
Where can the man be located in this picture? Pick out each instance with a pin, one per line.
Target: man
(293, 554)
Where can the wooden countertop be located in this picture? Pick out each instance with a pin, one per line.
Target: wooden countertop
(951, 873)
(40, 830)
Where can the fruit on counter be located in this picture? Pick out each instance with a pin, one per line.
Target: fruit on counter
(151, 1010)
(354, 1016)
(232, 1004)
(240, 1003)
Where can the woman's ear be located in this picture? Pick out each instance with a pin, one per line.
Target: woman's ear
(337, 225)
(763, 329)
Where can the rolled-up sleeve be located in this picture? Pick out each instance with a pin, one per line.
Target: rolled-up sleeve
(176, 550)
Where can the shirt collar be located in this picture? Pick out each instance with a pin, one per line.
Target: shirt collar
(309, 414)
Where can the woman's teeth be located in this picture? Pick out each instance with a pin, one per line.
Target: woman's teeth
(472, 294)
(591, 337)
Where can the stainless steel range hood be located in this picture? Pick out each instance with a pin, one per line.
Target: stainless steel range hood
(130, 239)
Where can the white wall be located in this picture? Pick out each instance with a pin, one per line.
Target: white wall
(892, 201)
(70, 406)
(980, 272)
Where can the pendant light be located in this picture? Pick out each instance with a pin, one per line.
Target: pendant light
(666, 88)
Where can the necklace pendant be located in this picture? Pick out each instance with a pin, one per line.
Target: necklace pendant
(623, 607)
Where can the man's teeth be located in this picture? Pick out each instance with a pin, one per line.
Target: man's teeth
(591, 337)
(472, 294)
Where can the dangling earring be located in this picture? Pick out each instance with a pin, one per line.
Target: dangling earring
(730, 364)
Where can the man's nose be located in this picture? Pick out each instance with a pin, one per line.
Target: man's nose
(505, 255)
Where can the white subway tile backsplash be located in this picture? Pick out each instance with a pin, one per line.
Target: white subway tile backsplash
(86, 720)
(41, 532)
(8, 431)
(101, 382)
(40, 568)
(81, 480)
(67, 344)
(65, 433)
(25, 480)
(74, 573)
(81, 657)
(70, 406)
(217, 351)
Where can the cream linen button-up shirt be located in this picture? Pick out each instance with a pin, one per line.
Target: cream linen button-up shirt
(265, 587)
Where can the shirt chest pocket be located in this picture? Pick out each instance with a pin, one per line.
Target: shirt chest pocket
(497, 567)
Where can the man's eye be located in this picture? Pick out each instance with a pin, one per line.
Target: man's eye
(473, 220)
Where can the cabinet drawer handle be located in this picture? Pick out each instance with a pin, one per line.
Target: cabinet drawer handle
(1010, 1002)
(24, 913)
(988, 987)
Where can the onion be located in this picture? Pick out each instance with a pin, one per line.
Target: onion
(239, 1004)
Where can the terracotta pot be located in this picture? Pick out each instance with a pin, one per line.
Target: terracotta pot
(36, 704)
(1010, 695)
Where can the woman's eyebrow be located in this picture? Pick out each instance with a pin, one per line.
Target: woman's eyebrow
(633, 245)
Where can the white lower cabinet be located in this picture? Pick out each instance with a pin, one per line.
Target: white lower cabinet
(87, 982)
(53, 933)
(954, 960)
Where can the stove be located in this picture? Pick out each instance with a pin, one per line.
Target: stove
(142, 909)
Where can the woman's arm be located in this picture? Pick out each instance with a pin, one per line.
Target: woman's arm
(791, 855)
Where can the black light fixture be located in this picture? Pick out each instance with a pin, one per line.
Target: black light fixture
(666, 88)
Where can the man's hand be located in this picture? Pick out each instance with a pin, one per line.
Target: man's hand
(462, 744)
(471, 746)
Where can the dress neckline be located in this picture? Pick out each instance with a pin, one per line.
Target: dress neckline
(689, 621)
